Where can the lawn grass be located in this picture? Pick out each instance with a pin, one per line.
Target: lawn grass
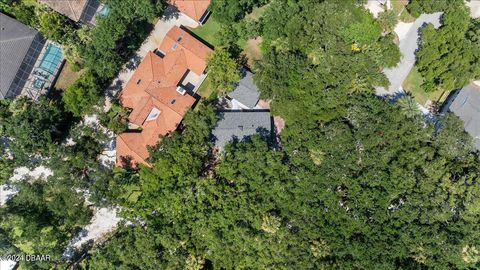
(66, 77)
(206, 91)
(403, 14)
(413, 84)
(208, 31)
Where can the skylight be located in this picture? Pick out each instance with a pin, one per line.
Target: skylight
(154, 113)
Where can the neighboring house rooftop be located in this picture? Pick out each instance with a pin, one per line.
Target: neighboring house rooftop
(241, 125)
(466, 106)
(15, 42)
(155, 97)
(195, 9)
(246, 92)
(76, 10)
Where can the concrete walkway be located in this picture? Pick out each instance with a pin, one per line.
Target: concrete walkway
(408, 34)
(171, 17)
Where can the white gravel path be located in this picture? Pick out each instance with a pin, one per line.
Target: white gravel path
(40, 172)
(104, 221)
(408, 46)
(20, 173)
(6, 193)
(377, 6)
(474, 6)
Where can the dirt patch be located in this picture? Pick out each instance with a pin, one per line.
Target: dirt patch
(252, 50)
(66, 77)
(264, 104)
(279, 124)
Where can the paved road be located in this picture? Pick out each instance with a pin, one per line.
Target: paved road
(408, 46)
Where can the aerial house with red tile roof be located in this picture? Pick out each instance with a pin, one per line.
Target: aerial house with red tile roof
(195, 9)
(159, 94)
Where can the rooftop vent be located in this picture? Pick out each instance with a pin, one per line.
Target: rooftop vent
(174, 46)
(182, 91)
(179, 39)
(173, 101)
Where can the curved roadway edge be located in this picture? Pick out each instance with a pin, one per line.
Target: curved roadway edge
(408, 47)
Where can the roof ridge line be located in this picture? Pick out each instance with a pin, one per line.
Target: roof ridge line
(128, 146)
(15, 39)
(153, 97)
(72, 10)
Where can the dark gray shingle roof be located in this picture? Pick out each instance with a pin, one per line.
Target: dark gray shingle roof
(240, 125)
(467, 107)
(246, 91)
(15, 41)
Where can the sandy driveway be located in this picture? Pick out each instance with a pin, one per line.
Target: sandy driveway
(408, 34)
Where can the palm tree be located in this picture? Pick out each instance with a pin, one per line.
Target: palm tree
(408, 106)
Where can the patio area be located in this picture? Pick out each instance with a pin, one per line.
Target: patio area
(191, 82)
(44, 72)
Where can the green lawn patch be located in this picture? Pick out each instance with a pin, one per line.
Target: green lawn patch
(413, 85)
(208, 31)
(403, 14)
(206, 91)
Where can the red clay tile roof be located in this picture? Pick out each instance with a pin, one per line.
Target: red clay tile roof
(153, 87)
(196, 53)
(192, 8)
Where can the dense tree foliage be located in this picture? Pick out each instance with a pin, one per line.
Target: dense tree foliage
(42, 219)
(417, 7)
(120, 254)
(320, 63)
(82, 96)
(32, 127)
(232, 11)
(358, 182)
(335, 189)
(223, 70)
(449, 57)
(54, 26)
(115, 36)
(116, 119)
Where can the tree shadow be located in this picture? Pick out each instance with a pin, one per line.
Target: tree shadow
(133, 62)
(114, 88)
(127, 162)
(171, 12)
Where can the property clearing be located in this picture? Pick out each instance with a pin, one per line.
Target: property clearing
(207, 32)
(66, 77)
(403, 14)
(252, 50)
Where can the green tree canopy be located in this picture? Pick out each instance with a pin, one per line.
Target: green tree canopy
(32, 127)
(223, 70)
(81, 97)
(449, 57)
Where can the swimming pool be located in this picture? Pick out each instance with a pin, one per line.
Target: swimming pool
(52, 58)
(104, 11)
